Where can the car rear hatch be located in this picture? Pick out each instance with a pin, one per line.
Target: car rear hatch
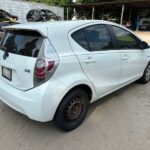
(19, 50)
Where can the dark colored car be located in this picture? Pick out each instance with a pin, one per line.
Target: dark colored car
(41, 15)
(6, 19)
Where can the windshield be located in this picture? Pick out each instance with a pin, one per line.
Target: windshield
(26, 43)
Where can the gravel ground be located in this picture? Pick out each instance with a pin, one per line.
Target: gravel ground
(120, 121)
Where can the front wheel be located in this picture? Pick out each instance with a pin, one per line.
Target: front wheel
(146, 76)
(72, 110)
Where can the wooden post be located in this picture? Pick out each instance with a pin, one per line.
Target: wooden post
(93, 10)
(67, 14)
(122, 13)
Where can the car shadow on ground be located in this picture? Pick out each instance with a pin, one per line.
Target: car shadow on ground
(111, 96)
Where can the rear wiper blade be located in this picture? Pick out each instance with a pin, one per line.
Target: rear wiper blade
(6, 54)
(3, 48)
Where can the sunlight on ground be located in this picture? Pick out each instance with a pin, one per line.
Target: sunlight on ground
(144, 35)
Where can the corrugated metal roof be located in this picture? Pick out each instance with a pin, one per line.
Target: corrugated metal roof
(133, 3)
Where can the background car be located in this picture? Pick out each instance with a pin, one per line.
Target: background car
(145, 24)
(41, 15)
(7, 19)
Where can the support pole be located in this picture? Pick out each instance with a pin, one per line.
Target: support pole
(67, 13)
(130, 15)
(93, 11)
(122, 13)
(102, 14)
(84, 13)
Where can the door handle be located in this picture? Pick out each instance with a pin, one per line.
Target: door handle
(125, 57)
(89, 60)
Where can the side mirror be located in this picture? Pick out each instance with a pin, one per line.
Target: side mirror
(144, 45)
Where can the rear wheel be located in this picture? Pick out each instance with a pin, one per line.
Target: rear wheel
(146, 76)
(72, 110)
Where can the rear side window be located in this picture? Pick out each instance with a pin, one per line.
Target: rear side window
(93, 38)
(125, 38)
(80, 38)
(98, 38)
(26, 43)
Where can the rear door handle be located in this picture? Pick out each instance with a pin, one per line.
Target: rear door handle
(125, 57)
(89, 60)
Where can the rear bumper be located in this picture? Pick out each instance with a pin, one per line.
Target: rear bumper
(38, 104)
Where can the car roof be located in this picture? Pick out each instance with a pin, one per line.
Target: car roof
(56, 26)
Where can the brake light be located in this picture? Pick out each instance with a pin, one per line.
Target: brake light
(46, 63)
(43, 67)
(40, 68)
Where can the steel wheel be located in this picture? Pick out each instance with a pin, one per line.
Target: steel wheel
(74, 109)
(147, 75)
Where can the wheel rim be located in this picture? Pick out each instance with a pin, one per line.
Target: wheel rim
(148, 73)
(74, 109)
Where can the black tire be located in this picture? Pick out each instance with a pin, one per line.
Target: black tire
(146, 76)
(72, 110)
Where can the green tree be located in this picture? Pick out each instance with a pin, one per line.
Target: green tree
(95, 1)
(52, 2)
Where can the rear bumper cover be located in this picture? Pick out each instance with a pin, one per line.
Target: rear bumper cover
(38, 104)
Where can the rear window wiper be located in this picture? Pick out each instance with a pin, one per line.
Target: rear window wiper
(6, 54)
(3, 48)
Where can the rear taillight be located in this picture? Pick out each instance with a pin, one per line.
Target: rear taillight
(43, 68)
(46, 64)
(40, 68)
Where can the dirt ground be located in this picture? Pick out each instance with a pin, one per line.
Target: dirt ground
(120, 121)
(144, 35)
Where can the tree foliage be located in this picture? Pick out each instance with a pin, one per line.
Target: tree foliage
(52, 2)
(95, 1)
(64, 2)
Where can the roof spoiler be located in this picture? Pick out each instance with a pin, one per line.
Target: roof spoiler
(42, 31)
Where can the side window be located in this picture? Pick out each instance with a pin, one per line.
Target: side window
(98, 38)
(30, 13)
(50, 13)
(37, 14)
(126, 39)
(80, 38)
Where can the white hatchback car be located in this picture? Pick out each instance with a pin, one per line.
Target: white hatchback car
(53, 70)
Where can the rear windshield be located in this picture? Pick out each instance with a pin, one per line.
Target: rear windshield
(26, 43)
